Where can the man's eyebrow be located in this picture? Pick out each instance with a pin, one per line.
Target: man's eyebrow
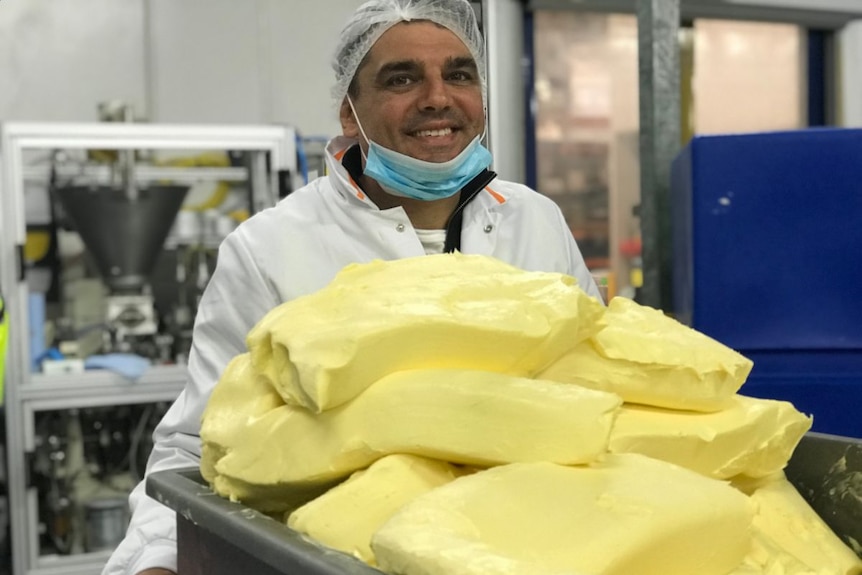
(399, 66)
(453, 63)
(461, 62)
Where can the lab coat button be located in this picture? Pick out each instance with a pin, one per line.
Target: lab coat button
(489, 228)
(399, 228)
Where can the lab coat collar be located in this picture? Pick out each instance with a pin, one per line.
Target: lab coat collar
(344, 184)
(341, 180)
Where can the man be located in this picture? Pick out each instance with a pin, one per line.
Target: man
(408, 177)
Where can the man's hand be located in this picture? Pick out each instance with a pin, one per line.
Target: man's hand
(156, 571)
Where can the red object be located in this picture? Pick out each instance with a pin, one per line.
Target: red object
(631, 247)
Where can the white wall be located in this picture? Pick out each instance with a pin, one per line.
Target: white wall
(206, 62)
(302, 41)
(58, 58)
(850, 61)
(196, 61)
(252, 61)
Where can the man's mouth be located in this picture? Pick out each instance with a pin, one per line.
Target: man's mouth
(433, 133)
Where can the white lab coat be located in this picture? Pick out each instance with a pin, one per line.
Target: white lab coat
(296, 248)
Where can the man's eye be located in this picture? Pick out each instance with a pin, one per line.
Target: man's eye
(400, 80)
(461, 76)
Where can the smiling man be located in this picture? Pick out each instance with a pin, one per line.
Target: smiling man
(419, 92)
(409, 176)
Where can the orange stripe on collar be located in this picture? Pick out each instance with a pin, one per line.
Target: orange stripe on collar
(500, 199)
(359, 193)
(338, 156)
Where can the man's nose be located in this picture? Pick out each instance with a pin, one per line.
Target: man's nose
(435, 95)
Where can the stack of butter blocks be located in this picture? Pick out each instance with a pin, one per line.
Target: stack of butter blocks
(454, 414)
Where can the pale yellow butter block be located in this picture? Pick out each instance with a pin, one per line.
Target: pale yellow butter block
(765, 558)
(440, 311)
(625, 515)
(786, 520)
(346, 516)
(648, 358)
(240, 396)
(471, 417)
(754, 437)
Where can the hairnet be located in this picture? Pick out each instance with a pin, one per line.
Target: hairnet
(375, 17)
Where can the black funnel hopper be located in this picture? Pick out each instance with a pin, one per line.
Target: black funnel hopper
(124, 236)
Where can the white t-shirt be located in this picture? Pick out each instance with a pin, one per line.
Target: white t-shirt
(432, 240)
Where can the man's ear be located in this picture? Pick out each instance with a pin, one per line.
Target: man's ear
(349, 127)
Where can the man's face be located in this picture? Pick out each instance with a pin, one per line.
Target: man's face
(419, 93)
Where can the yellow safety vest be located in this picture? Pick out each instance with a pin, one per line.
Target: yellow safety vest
(4, 334)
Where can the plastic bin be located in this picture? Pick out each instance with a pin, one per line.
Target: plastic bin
(218, 537)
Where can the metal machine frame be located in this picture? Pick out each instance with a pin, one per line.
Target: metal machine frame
(28, 393)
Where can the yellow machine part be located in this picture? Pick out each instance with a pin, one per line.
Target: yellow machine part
(4, 335)
(36, 245)
(210, 160)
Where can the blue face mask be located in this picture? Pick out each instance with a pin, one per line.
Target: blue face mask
(407, 177)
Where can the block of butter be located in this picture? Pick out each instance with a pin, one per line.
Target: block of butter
(648, 358)
(346, 516)
(790, 533)
(765, 558)
(240, 396)
(753, 437)
(470, 417)
(627, 514)
(440, 311)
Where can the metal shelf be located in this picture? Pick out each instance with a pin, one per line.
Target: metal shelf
(82, 564)
(270, 150)
(100, 388)
(143, 174)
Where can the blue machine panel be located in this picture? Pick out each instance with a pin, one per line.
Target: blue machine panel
(775, 225)
(767, 239)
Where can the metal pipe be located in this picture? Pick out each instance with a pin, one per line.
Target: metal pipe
(658, 64)
(127, 161)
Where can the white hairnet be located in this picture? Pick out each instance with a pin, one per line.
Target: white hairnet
(375, 17)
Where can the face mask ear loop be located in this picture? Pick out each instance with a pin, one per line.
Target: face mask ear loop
(484, 139)
(358, 123)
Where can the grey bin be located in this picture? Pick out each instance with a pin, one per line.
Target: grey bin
(827, 471)
(218, 537)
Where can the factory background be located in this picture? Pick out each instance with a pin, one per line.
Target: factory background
(785, 66)
(564, 118)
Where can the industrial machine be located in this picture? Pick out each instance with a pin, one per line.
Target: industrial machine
(124, 231)
(123, 226)
(135, 216)
(766, 241)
